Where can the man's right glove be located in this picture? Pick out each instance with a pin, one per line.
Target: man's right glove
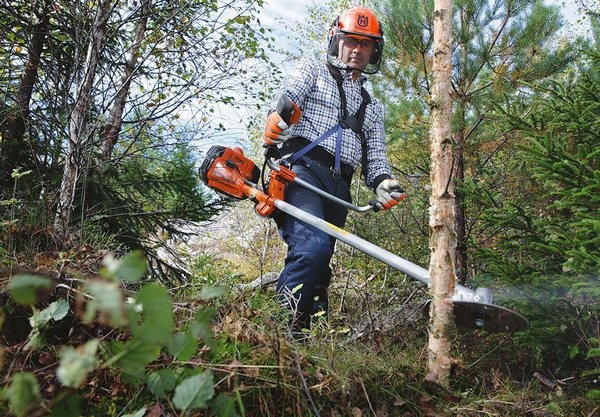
(389, 194)
(276, 130)
(287, 113)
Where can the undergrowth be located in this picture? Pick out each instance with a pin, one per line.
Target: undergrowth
(109, 343)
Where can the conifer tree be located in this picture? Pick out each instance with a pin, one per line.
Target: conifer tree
(498, 47)
(547, 239)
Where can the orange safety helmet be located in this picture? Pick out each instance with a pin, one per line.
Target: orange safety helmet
(360, 21)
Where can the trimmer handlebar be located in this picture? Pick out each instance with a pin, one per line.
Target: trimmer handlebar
(285, 108)
(274, 166)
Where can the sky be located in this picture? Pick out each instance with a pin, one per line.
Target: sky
(295, 10)
(294, 13)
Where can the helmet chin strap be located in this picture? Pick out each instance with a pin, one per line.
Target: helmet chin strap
(336, 62)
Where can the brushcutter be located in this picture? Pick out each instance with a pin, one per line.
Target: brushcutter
(230, 172)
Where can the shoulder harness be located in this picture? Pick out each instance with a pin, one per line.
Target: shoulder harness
(354, 121)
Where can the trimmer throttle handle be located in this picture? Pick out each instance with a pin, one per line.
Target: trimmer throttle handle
(289, 112)
(285, 108)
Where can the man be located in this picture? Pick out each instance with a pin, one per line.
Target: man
(335, 127)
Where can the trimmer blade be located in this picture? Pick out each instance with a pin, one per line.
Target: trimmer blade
(489, 317)
(470, 315)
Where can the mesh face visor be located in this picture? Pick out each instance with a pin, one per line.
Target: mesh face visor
(333, 52)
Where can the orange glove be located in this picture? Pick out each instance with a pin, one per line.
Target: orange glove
(276, 130)
(389, 194)
(278, 122)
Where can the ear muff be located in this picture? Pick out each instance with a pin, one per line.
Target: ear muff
(378, 49)
(377, 52)
(333, 44)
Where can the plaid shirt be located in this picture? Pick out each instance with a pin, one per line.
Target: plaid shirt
(315, 91)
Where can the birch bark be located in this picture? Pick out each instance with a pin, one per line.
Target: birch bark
(112, 129)
(442, 201)
(78, 136)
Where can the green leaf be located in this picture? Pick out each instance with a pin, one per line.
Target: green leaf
(55, 311)
(161, 382)
(573, 351)
(157, 324)
(132, 356)
(76, 363)
(69, 406)
(139, 413)
(38, 320)
(593, 353)
(200, 328)
(593, 395)
(224, 406)
(131, 268)
(591, 372)
(23, 393)
(16, 174)
(107, 300)
(25, 289)
(183, 346)
(8, 202)
(213, 292)
(35, 340)
(194, 392)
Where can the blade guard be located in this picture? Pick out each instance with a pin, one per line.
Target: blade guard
(227, 169)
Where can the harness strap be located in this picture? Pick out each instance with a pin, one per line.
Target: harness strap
(338, 153)
(356, 121)
(314, 143)
(347, 121)
(361, 120)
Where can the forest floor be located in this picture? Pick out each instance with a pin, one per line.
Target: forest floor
(349, 365)
(368, 358)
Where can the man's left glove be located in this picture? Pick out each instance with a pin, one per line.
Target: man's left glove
(389, 194)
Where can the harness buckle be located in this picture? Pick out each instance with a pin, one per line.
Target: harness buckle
(337, 173)
(349, 122)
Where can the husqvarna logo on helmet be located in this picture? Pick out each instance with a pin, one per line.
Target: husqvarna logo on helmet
(363, 21)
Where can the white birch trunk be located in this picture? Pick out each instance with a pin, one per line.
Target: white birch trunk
(112, 129)
(442, 203)
(78, 137)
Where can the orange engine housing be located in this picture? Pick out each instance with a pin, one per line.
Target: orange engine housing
(226, 170)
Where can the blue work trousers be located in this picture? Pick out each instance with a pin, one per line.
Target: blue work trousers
(303, 282)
